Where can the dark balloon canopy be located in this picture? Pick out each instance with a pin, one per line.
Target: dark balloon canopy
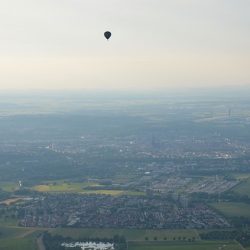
(107, 34)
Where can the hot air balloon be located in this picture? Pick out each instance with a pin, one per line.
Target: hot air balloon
(107, 34)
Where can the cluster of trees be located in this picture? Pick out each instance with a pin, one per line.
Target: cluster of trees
(240, 222)
(219, 235)
(53, 242)
(235, 197)
(120, 242)
(7, 213)
(4, 195)
(179, 238)
(242, 236)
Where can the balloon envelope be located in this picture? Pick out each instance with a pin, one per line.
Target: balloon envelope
(107, 34)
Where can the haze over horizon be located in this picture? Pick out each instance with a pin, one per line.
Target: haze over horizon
(155, 44)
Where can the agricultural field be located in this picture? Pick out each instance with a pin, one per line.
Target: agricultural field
(130, 234)
(233, 209)
(204, 245)
(62, 186)
(26, 238)
(9, 186)
(241, 176)
(18, 244)
(81, 188)
(18, 238)
(243, 188)
(8, 221)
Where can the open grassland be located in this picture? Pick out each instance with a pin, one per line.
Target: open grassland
(81, 188)
(60, 186)
(130, 234)
(12, 232)
(233, 209)
(8, 222)
(28, 243)
(201, 245)
(243, 188)
(15, 238)
(241, 176)
(9, 186)
(12, 238)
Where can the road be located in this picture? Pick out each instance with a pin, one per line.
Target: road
(40, 244)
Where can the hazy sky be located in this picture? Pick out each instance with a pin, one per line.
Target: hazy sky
(155, 43)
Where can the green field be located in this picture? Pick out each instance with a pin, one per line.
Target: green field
(241, 176)
(12, 232)
(9, 186)
(18, 244)
(15, 238)
(233, 209)
(130, 234)
(12, 238)
(243, 188)
(62, 186)
(7, 222)
(80, 188)
(202, 245)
